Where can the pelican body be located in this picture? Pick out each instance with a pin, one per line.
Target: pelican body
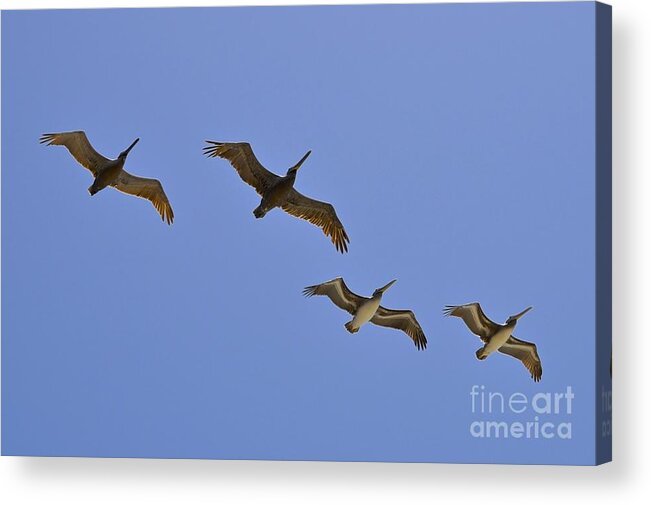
(365, 309)
(501, 336)
(107, 172)
(278, 191)
(277, 194)
(498, 337)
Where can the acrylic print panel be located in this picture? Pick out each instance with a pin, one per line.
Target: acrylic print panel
(456, 143)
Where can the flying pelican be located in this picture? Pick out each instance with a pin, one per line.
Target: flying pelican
(369, 309)
(278, 191)
(110, 172)
(498, 337)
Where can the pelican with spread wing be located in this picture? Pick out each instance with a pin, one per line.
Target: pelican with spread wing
(278, 191)
(498, 337)
(111, 172)
(369, 309)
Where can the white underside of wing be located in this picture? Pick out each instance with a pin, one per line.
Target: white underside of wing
(474, 313)
(340, 291)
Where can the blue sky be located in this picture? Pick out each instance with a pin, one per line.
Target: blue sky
(457, 144)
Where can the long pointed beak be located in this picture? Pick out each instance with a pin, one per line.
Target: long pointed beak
(298, 165)
(131, 146)
(384, 288)
(518, 316)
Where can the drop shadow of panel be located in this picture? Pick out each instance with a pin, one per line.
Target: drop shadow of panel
(625, 46)
(375, 477)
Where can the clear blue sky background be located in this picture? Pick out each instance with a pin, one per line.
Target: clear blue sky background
(457, 144)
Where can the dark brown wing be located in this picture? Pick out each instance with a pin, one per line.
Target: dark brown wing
(244, 161)
(320, 214)
(338, 293)
(151, 189)
(527, 353)
(403, 320)
(80, 148)
(474, 318)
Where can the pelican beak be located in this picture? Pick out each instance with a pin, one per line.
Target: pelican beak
(384, 288)
(126, 152)
(518, 316)
(298, 165)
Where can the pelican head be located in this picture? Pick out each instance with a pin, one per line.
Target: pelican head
(380, 291)
(125, 153)
(294, 169)
(513, 319)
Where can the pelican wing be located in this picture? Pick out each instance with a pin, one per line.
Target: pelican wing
(80, 148)
(338, 292)
(474, 318)
(403, 320)
(527, 353)
(151, 189)
(320, 214)
(244, 161)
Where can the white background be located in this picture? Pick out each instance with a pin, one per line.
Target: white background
(626, 480)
